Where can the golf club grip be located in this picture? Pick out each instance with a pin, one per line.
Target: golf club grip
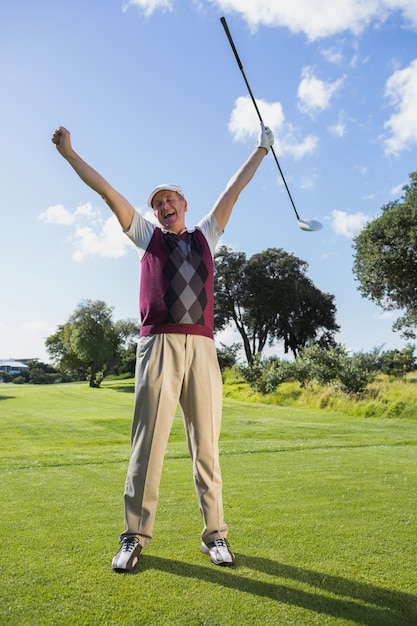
(229, 36)
(232, 45)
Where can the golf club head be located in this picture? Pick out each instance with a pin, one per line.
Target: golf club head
(309, 226)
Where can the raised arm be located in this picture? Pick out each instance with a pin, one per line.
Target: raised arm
(123, 210)
(227, 199)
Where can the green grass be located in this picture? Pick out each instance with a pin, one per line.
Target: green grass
(321, 507)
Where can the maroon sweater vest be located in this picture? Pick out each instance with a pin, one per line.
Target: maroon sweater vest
(177, 285)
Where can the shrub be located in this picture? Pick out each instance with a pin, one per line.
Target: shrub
(265, 375)
(330, 367)
(358, 372)
(5, 377)
(19, 380)
(320, 364)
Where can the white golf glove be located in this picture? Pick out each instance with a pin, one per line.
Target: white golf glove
(266, 138)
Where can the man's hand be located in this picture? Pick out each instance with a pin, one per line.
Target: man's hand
(266, 138)
(61, 139)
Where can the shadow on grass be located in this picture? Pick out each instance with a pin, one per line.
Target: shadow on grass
(123, 388)
(329, 595)
(7, 397)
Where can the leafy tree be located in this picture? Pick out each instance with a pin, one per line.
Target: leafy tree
(90, 342)
(385, 262)
(59, 348)
(127, 359)
(227, 355)
(43, 373)
(269, 298)
(228, 293)
(398, 362)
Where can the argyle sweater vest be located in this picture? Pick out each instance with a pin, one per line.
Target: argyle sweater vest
(177, 285)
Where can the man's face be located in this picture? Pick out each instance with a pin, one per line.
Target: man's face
(169, 209)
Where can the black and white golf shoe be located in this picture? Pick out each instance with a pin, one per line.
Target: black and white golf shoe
(128, 556)
(219, 552)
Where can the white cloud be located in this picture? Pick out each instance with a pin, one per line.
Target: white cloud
(348, 225)
(109, 242)
(91, 236)
(314, 95)
(318, 19)
(150, 216)
(86, 210)
(321, 18)
(298, 150)
(398, 191)
(244, 124)
(337, 130)
(56, 214)
(401, 91)
(148, 6)
(36, 327)
(332, 55)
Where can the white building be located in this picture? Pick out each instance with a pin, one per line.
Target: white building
(12, 367)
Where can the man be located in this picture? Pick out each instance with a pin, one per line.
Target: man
(176, 356)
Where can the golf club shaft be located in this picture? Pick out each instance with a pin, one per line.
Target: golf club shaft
(232, 45)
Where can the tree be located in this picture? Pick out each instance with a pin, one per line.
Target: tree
(385, 262)
(269, 298)
(398, 363)
(59, 348)
(229, 294)
(227, 355)
(90, 341)
(43, 374)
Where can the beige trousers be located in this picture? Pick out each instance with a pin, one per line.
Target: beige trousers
(172, 369)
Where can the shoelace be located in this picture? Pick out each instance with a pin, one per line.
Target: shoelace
(221, 543)
(129, 544)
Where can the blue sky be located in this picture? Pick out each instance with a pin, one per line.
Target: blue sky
(151, 93)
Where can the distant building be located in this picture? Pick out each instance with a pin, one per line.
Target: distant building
(13, 367)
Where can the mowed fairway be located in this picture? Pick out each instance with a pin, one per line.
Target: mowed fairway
(321, 510)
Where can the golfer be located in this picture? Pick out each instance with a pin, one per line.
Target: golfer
(176, 355)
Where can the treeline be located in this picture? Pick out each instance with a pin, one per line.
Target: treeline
(89, 346)
(40, 373)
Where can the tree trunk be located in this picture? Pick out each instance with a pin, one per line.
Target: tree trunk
(93, 375)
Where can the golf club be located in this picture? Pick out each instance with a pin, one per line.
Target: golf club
(307, 225)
